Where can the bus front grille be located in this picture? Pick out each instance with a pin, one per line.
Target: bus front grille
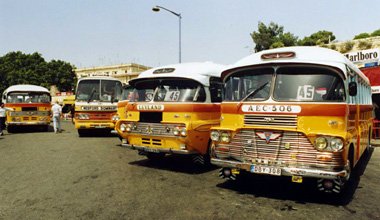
(156, 129)
(271, 120)
(283, 148)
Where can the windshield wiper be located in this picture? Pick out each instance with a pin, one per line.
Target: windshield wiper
(92, 94)
(252, 93)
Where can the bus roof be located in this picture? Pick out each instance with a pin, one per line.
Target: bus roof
(26, 88)
(198, 71)
(98, 77)
(301, 54)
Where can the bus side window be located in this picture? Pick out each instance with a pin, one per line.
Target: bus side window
(216, 88)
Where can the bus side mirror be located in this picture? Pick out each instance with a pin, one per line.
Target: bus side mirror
(352, 88)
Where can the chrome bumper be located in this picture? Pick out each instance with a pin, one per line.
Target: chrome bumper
(157, 150)
(286, 171)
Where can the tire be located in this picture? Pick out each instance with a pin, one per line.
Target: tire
(203, 159)
(82, 132)
(10, 129)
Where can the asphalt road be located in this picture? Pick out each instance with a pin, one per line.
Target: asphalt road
(62, 176)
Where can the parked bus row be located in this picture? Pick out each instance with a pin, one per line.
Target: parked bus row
(300, 112)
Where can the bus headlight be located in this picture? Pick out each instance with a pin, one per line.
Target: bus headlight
(336, 144)
(214, 135)
(225, 137)
(123, 127)
(16, 119)
(83, 116)
(115, 117)
(320, 143)
(183, 132)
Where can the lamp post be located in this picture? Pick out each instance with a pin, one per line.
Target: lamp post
(157, 9)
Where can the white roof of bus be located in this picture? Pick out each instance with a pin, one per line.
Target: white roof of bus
(199, 71)
(26, 88)
(303, 54)
(98, 77)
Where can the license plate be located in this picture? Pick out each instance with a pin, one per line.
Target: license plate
(152, 150)
(266, 170)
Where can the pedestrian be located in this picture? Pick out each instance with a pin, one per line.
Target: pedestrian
(3, 116)
(56, 110)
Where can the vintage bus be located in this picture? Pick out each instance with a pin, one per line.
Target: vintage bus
(172, 109)
(96, 104)
(31, 106)
(121, 112)
(302, 112)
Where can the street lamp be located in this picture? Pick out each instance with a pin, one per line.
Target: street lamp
(157, 9)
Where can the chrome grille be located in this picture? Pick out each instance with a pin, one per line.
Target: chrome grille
(271, 120)
(155, 129)
(290, 149)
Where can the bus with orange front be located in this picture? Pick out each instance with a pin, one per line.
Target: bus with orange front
(31, 106)
(172, 109)
(301, 112)
(96, 104)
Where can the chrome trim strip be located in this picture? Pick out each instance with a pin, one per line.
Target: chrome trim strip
(287, 171)
(163, 150)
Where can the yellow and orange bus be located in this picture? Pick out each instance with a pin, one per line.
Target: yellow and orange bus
(172, 109)
(302, 112)
(96, 104)
(31, 106)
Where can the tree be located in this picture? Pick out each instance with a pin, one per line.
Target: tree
(272, 36)
(362, 36)
(318, 38)
(19, 68)
(265, 36)
(375, 33)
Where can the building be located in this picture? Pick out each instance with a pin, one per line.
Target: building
(123, 72)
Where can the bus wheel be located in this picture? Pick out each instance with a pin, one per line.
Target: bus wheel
(10, 129)
(203, 159)
(82, 132)
(154, 156)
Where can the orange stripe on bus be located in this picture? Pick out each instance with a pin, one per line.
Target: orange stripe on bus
(179, 107)
(27, 105)
(306, 109)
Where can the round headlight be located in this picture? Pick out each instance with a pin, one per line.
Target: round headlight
(336, 144)
(183, 132)
(225, 137)
(123, 127)
(176, 131)
(320, 143)
(115, 118)
(214, 135)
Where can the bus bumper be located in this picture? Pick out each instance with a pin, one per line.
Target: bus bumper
(157, 150)
(285, 171)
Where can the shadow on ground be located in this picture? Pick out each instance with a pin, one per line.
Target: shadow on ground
(282, 188)
(175, 163)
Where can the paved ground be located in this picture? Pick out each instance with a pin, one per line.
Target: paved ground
(62, 176)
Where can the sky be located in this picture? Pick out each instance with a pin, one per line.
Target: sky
(89, 33)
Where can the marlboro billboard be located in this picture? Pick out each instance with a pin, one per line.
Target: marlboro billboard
(364, 58)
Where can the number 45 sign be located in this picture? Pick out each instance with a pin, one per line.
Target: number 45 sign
(305, 92)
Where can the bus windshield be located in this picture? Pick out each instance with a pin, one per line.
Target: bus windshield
(28, 97)
(301, 84)
(168, 90)
(99, 90)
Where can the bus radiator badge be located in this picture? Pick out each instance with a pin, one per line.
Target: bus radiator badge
(268, 136)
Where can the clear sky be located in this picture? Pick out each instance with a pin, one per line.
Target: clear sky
(90, 33)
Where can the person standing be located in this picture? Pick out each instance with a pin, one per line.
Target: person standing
(3, 116)
(56, 110)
